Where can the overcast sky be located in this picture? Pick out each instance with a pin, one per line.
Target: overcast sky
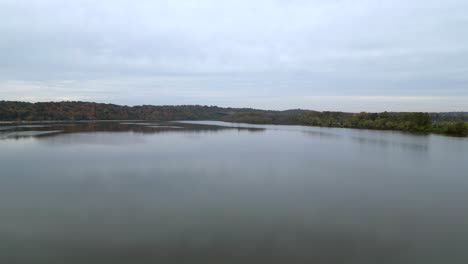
(359, 55)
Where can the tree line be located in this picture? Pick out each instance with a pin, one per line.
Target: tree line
(443, 123)
(412, 122)
(48, 111)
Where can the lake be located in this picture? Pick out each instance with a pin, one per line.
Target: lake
(214, 192)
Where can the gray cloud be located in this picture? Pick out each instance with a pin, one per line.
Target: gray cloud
(236, 52)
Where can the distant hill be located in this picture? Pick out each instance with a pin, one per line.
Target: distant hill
(444, 123)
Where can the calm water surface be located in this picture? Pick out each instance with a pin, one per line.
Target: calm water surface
(124, 192)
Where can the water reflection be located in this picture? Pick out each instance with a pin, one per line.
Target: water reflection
(421, 144)
(31, 133)
(54, 129)
(107, 192)
(321, 134)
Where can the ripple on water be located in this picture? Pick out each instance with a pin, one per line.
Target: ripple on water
(165, 127)
(28, 133)
(138, 124)
(5, 128)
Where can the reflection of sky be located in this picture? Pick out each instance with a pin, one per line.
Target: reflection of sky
(287, 193)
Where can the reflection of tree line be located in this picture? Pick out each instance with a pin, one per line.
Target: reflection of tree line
(421, 147)
(387, 143)
(148, 129)
(88, 127)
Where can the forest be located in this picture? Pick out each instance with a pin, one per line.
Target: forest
(440, 123)
(48, 111)
(450, 123)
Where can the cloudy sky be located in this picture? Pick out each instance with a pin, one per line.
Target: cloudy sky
(350, 55)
